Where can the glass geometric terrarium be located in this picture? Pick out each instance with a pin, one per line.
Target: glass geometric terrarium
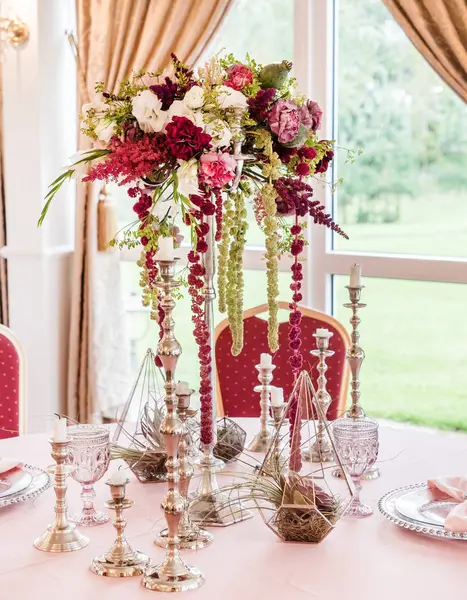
(230, 440)
(137, 439)
(300, 501)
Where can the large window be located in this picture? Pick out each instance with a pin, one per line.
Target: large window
(402, 202)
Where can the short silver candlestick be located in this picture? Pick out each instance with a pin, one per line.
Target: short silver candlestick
(191, 536)
(262, 440)
(321, 450)
(355, 356)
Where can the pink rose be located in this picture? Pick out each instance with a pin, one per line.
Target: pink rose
(311, 114)
(284, 120)
(238, 76)
(217, 168)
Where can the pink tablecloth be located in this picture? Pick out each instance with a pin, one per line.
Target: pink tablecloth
(361, 560)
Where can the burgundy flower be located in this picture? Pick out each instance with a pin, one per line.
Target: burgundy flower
(166, 92)
(311, 114)
(201, 246)
(185, 139)
(323, 164)
(285, 154)
(260, 105)
(238, 76)
(295, 317)
(303, 169)
(307, 152)
(284, 120)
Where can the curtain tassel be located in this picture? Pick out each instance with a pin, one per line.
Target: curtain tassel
(106, 221)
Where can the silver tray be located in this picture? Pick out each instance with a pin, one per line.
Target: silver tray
(39, 483)
(418, 509)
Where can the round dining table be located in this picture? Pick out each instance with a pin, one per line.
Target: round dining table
(361, 559)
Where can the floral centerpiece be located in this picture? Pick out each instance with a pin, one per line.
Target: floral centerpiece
(173, 141)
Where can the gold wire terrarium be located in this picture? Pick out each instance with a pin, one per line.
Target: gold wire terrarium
(300, 501)
(230, 440)
(137, 439)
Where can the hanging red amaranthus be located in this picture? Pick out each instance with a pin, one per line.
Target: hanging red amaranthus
(204, 207)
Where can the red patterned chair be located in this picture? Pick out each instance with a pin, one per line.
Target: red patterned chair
(12, 385)
(237, 376)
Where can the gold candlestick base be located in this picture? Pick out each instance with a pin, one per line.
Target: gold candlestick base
(121, 560)
(55, 539)
(172, 575)
(61, 535)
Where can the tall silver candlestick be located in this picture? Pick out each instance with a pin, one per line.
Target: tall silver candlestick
(355, 356)
(209, 506)
(61, 535)
(262, 440)
(173, 574)
(191, 536)
(321, 451)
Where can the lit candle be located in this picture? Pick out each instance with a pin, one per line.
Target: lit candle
(277, 396)
(266, 360)
(118, 478)
(324, 333)
(182, 388)
(166, 249)
(355, 276)
(60, 433)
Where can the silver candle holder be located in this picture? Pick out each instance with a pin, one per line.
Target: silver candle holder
(121, 560)
(210, 507)
(61, 535)
(190, 535)
(273, 456)
(262, 440)
(355, 357)
(321, 450)
(173, 574)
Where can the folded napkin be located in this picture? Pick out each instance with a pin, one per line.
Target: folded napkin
(456, 488)
(8, 464)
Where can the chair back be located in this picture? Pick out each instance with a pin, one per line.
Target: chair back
(12, 385)
(236, 376)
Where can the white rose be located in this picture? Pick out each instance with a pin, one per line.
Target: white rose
(178, 108)
(194, 98)
(231, 98)
(187, 174)
(104, 131)
(219, 132)
(146, 107)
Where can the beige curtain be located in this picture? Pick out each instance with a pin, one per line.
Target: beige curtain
(438, 29)
(3, 267)
(114, 38)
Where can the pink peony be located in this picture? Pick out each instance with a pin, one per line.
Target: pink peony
(217, 168)
(284, 120)
(311, 114)
(238, 76)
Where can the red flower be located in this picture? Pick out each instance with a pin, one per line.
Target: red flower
(303, 169)
(260, 105)
(184, 139)
(238, 76)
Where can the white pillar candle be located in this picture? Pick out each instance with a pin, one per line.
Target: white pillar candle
(266, 360)
(118, 477)
(277, 396)
(60, 433)
(325, 333)
(355, 276)
(166, 249)
(182, 388)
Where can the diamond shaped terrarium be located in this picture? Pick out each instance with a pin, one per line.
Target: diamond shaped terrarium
(300, 502)
(137, 439)
(230, 440)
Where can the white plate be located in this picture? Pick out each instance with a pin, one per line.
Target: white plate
(14, 481)
(39, 483)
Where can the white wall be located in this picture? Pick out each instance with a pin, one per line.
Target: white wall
(39, 134)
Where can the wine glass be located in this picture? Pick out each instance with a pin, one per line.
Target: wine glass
(357, 445)
(90, 457)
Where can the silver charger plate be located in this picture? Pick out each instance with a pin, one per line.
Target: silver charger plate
(14, 481)
(40, 481)
(418, 509)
